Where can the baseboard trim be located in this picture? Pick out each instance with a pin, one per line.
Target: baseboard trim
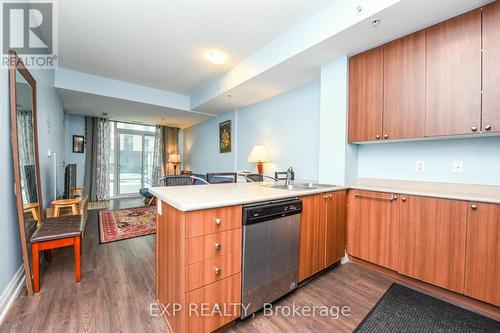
(11, 292)
(485, 309)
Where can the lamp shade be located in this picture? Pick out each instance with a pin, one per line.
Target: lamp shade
(259, 154)
(174, 158)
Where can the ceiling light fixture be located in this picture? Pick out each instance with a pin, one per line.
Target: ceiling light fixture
(215, 57)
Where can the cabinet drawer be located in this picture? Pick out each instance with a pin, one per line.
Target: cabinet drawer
(209, 221)
(213, 245)
(203, 305)
(211, 270)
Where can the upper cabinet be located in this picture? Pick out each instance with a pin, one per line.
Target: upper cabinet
(491, 68)
(404, 88)
(366, 95)
(442, 81)
(453, 84)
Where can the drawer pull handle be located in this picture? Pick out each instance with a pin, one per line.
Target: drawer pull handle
(487, 127)
(473, 207)
(403, 199)
(217, 246)
(217, 271)
(391, 198)
(473, 129)
(218, 221)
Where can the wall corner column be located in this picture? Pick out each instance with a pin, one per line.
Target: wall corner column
(337, 158)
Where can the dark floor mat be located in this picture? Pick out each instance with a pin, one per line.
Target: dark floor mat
(403, 309)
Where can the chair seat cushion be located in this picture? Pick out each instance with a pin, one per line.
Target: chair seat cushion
(145, 193)
(58, 228)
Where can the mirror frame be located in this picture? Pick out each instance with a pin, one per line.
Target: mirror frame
(15, 64)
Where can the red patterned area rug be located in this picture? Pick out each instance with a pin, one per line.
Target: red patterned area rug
(115, 225)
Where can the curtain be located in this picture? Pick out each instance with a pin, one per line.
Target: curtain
(26, 144)
(26, 137)
(157, 158)
(166, 142)
(96, 178)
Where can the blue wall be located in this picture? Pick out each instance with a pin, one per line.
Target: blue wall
(201, 146)
(287, 125)
(50, 125)
(481, 157)
(74, 125)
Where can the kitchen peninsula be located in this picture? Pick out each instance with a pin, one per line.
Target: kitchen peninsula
(199, 246)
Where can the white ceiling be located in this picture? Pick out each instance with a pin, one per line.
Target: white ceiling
(405, 17)
(161, 44)
(118, 109)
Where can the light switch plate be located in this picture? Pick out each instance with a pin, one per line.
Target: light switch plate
(458, 167)
(420, 166)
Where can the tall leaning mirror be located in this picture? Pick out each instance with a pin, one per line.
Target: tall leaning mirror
(24, 135)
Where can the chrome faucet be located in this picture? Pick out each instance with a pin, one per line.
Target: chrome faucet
(288, 180)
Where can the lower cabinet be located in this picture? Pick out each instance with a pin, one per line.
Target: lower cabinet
(482, 265)
(198, 267)
(452, 244)
(322, 232)
(373, 227)
(433, 241)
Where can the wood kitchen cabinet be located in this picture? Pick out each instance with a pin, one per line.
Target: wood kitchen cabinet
(322, 232)
(491, 68)
(404, 88)
(453, 78)
(333, 212)
(433, 241)
(373, 227)
(366, 79)
(482, 265)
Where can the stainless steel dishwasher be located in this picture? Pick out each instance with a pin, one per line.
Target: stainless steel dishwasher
(270, 252)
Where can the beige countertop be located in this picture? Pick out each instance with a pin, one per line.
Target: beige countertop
(198, 197)
(466, 192)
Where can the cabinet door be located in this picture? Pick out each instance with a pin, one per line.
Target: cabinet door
(333, 216)
(404, 87)
(453, 88)
(373, 227)
(482, 266)
(312, 237)
(491, 68)
(433, 234)
(366, 95)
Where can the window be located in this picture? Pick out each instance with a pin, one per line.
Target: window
(132, 149)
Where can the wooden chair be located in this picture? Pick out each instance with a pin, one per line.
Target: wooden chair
(72, 204)
(54, 233)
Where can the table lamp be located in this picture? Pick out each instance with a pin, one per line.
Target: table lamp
(174, 159)
(259, 155)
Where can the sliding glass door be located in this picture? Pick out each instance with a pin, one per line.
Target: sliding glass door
(133, 152)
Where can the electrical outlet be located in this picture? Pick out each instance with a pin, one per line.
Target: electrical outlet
(420, 166)
(458, 167)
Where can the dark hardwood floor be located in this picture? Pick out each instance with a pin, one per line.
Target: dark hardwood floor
(117, 288)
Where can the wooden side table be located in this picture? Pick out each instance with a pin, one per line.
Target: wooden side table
(66, 204)
(32, 208)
